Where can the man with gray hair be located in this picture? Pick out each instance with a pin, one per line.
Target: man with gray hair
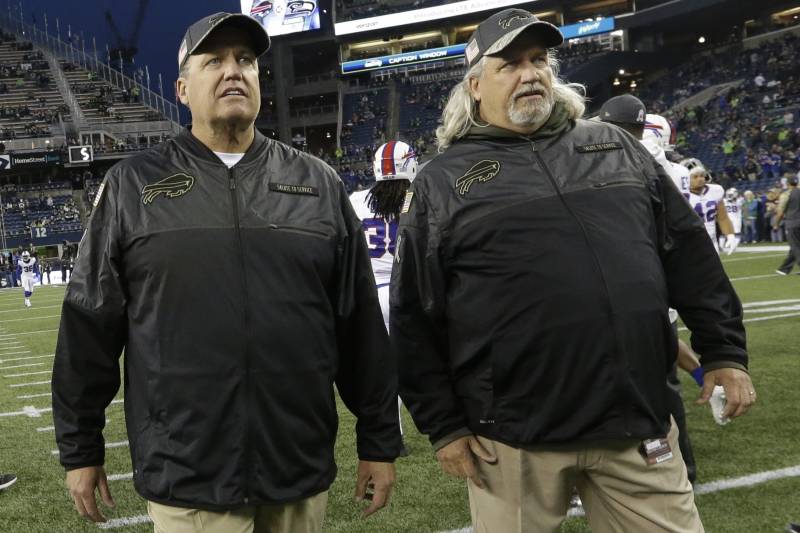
(230, 407)
(537, 257)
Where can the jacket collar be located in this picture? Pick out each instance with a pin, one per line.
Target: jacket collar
(191, 144)
(557, 123)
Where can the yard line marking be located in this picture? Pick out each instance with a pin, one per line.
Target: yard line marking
(28, 374)
(759, 319)
(762, 249)
(751, 258)
(35, 318)
(21, 366)
(37, 307)
(120, 477)
(15, 353)
(755, 277)
(125, 522)
(16, 385)
(109, 445)
(3, 361)
(29, 411)
(773, 302)
(747, 481)
(781, 309)
(29, 396)
(40, 331)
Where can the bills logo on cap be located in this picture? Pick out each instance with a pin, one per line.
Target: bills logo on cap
(472, 50)
(182, 52)
(505, 23)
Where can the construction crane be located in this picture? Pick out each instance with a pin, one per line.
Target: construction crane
(127, 48)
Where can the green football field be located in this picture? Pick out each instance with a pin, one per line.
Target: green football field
(749, 471)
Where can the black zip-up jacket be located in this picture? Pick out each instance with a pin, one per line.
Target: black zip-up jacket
(240, 297)
(531, 286)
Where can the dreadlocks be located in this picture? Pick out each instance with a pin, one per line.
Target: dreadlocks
(385, 199)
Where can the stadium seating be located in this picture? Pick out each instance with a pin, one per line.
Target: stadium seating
(102, 103)
(29, 99)
(41, 209)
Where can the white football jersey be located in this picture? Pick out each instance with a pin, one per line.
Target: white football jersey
(734, 209)
(381, 237)
(678, 173)
(27, 267)
(705, 205)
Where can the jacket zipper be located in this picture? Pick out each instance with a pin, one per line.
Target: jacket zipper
(302, 231)
(552, 180)
(246, 463)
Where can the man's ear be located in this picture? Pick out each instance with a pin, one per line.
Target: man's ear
(181, 91)
(475, 88)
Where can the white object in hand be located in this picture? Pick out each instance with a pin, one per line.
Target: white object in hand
(718, 402)
(731, 242)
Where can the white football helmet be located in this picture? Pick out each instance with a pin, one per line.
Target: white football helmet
(395, 160)
(26, 255)
(659, 130)
(692, 163)
(732, 194)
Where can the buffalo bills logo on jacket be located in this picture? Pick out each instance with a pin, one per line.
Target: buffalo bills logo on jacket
(482, 172)
(172, 187)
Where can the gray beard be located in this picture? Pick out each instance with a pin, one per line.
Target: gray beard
(533, 114)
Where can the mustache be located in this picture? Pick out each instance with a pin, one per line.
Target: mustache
(530, 89)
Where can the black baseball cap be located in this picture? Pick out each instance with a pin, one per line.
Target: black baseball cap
(200, 30)
(509, 22)
(793, 180)
(623, 109)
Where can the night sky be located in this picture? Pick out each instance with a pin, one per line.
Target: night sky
(163, 26)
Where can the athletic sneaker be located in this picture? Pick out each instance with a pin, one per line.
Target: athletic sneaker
(6, 480)
(781, 272)
(793, 528)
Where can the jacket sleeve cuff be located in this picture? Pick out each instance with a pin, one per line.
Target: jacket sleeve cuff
(451, 437)
(716, 365)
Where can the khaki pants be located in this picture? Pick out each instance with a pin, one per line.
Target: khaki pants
(304, 516)
(529, 490)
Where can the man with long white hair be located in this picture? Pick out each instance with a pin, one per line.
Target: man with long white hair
(536, 259)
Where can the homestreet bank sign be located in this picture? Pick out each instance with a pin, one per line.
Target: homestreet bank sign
(30, 158)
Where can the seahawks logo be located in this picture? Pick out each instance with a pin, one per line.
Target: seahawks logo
(506, 22)
(482, 172)
(172, 187)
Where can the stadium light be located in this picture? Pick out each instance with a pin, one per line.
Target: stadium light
(622, 72)
(616, 81)
(701, 40)
(633, 84)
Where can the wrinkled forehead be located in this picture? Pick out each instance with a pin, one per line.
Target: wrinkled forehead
(225, 40)
(527, 43)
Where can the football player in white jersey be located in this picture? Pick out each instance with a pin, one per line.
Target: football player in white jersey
(733, 205)
(395, 166)
(27, 270)
(659, 137)
(707, 200)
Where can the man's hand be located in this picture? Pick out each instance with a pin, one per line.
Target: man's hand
(379, 479)
(731, 242)
(81, 484)
(739, 391)
(458, 459)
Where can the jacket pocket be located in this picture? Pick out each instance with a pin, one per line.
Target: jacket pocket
(299, 230)
(617, 183)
